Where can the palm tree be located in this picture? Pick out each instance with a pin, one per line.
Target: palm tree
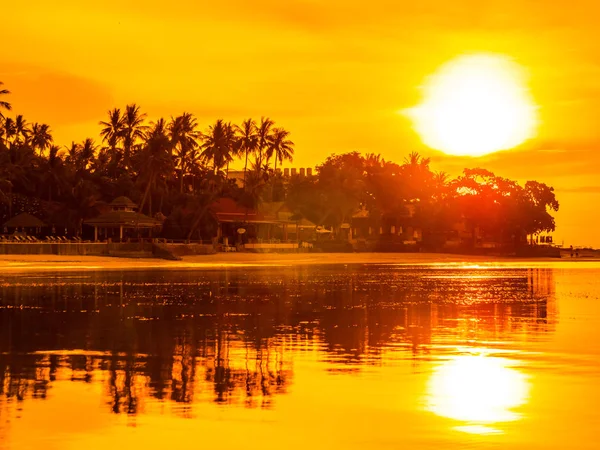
(233, 145)
(216, 145)
(248, 140)
(281, 146)
(133, 130)
(87, 153)
(183, 135)
(414, 160)
(8, 130)
(264, 138)
(156, 160)
(54, 176)
(3, 104)
(21, 130)
(112, 133)
(40, 137)
(72, 153)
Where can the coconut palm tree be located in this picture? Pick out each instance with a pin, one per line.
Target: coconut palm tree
(248, 140)
(233, 145)
(72, 153)
(8, 130)
(280, 146)
(112, 133)
(156, 162)
(216, 145)
(22, 131)
(40, 137)
(133, 131)
(184, 140)
(4, 105)
(54, 177)
(87, 152)
(264, 139)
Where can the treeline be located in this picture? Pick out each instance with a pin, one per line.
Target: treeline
(411, 194)
(174, 169)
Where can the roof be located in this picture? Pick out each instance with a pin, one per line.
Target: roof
(228, 210)
(361, 214)
(128, 219)
(25, 220)
(305, 223)
(123, 202)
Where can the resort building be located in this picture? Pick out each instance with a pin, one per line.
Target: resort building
(122, 222)
(270, 223)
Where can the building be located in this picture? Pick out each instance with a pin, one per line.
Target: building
(24, 223)
(122, 222)
(384, 231)
(237, 176)
(270, 222)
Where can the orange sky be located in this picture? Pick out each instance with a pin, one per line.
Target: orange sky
(334, 73)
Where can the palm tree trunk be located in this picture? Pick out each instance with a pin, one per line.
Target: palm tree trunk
(245, 168)
(146, 194)
(10, 201)
(181, 178)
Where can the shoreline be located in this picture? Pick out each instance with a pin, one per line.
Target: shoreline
(57, 263)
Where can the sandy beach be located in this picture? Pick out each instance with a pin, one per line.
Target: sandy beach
(16, 263)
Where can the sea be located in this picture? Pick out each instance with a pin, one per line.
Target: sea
(352, 356)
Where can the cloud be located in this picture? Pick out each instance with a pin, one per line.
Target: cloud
(54, 97)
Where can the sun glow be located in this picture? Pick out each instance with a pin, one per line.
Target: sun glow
(475, 105)
(478, 391)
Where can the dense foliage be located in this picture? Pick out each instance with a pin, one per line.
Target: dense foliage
(173, 169)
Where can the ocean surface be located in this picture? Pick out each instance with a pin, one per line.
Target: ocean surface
(338, 356)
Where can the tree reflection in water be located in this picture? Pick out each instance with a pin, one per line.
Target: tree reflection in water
(231, 336)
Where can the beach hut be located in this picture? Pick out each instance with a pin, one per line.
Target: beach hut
(122, 221)
(24, 223)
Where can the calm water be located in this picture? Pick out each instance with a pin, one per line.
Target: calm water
(328, 357)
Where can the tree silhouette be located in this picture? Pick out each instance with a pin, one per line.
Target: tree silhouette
(263, 140)
(280, 146)
(248, 139)
(184, 139)
(217, 145)
(112, 134)
(41, 139)
(4, 104)
(133, 130)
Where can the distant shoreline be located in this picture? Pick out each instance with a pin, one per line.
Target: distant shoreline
(57, 263)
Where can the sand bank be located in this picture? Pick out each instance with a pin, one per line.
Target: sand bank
(15, 263)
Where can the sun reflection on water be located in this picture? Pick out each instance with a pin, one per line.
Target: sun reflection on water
(477, 390)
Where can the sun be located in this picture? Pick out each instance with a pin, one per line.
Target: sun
(478, 392)
(475, 105)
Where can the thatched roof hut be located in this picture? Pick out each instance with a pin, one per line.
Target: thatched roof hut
(122, 216)
(24, 220)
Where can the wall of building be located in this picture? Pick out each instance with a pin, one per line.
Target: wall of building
(43, 248)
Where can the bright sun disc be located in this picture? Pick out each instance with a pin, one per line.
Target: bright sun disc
(478, 391)
(475, 105)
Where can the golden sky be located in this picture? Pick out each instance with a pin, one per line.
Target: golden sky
(332, 72)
